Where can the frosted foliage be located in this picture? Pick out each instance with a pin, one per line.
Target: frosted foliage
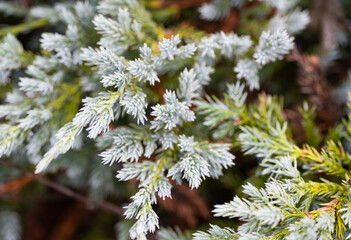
(273, 46)
(110, 79)
(10, 228)
(248, 69)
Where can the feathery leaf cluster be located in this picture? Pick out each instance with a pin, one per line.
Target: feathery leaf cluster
(112, 86)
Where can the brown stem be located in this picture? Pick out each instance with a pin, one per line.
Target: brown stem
(106, 206)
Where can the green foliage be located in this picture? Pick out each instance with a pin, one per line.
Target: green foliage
(111, 90)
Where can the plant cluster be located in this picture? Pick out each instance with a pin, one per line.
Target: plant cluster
(112, 94)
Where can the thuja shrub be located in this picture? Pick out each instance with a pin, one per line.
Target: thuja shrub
(113, 95)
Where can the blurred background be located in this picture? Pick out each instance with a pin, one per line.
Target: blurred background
(70, 203)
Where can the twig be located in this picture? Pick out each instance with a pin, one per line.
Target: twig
(106, 206)
(16, 184)
(175, 3)
(15, 30)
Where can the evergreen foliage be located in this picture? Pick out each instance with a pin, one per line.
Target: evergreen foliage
(111, 94)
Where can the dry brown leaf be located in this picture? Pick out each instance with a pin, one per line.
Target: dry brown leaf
(186, 206)
(15, 185)
(313, 83)
(67, 227)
